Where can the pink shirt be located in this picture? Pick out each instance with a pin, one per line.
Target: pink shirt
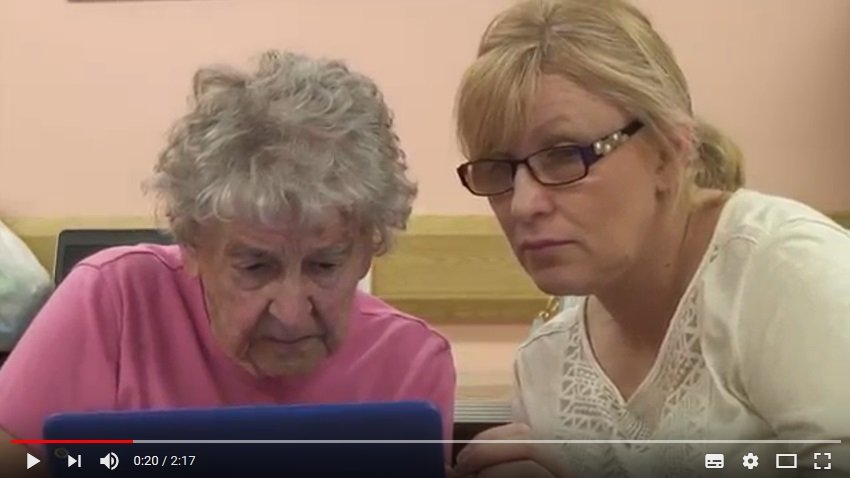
(127, 329)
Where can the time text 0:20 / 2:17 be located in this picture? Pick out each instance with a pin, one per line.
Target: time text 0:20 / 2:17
(165, 460)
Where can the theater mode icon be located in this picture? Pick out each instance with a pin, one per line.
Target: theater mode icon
(714, 460)
(786, 460)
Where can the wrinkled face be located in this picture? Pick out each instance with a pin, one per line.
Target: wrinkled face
(576, 239)
(279, 298)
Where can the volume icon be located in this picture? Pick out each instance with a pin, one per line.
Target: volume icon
(110, 461)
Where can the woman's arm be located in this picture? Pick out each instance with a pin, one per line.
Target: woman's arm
(793, 344)
(67, 359)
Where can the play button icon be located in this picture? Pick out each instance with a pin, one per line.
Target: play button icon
(32, 461)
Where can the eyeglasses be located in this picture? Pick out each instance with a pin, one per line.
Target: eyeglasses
(555, 166)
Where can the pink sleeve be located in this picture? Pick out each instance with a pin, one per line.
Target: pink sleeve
(440, 374)
(444, 394)
(67, 359)
(433, 379)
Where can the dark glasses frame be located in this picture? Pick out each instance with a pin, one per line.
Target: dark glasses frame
(589, 154)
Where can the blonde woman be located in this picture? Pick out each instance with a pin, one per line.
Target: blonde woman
(705, 311)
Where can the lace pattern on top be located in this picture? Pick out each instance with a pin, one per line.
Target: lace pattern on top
(671, 404)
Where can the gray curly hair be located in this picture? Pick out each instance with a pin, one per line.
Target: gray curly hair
(297, 137)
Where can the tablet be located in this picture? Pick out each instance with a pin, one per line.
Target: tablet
(370, 440)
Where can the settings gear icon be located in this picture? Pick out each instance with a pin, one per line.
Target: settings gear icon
(751, 461)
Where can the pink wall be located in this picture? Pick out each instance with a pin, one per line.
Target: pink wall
(88, 89)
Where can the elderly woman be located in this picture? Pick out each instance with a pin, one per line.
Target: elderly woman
(279, 188)
(703, 314)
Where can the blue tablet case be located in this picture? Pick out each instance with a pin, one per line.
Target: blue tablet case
(405, 442)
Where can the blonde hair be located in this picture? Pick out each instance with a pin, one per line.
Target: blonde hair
(720, 163)
(607, 47)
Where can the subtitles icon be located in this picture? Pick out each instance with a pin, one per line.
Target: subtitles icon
(786, 460)
(110, 461)
(714, 460)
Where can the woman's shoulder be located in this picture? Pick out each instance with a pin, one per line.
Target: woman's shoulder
(148, 257)
(756, 227)
(559, 318)
(143, 273)
(378, 325)
(771, 253)
(757, 217)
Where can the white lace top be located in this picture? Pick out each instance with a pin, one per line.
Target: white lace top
(758, 349)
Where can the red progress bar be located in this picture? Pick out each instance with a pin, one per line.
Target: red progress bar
(72, 442)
